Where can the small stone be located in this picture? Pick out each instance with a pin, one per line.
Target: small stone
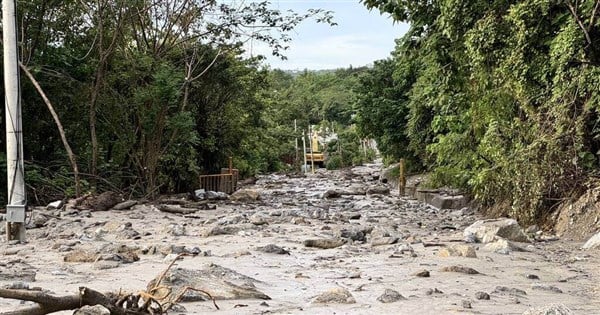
(378, 190)
(55, 205)
(324, 243)
(507, 290)
(466, 304)
(193, 250)
(175, 229)
(80, 256)
(106, 264)
(258, 219)
(17, 286)
(532, 277)
(386, 240)
(170, 257)
(92, 310)
(273, 249)
(460, 269)
(433, 291)
(458, 250)
(390, 296)
(354, 234)
(544, 287)
(482, 296)
(336, 296)
(245, 195)
(423, 273)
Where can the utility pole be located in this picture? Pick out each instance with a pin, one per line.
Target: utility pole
(304, 150)
(296, 139)
(15, 210)
(312, 155)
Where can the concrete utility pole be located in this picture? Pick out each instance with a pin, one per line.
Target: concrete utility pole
(304, 151)
(15, 210)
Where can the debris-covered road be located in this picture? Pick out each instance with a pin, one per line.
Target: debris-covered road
(331, 242)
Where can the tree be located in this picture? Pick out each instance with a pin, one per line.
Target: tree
(504, 98)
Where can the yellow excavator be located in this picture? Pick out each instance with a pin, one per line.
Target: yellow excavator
(315, 153)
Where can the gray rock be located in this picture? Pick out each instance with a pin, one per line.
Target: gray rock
(335, 296)
(125, 205)
(388, 240)
(546, 287)
(551, 309)
(378, 190)
(486, 231)
(458, 250)
(106, 264)
(324, 243)
(593, 242)
(92, 310)
(273, 249)
(332, 193)
(175, 229)
(390, 296)
(17, 286)
(482, 296)
(422, 274)
(466, 304)
(245, 195)
(510, 291)
(355, 234)
(502, 246)
(55, 204)
(223, 284)
(258, 219)
(460, 269)
(200, 194)
(433, 291)
(216, 195)
(448, 202)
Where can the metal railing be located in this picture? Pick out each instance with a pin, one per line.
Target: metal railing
(225, 182)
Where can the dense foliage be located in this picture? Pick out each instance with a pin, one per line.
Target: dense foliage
(150, 93)
(500, 98)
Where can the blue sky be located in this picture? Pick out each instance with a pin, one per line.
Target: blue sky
(361, 37)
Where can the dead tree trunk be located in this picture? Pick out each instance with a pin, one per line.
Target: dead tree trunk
(63, 136)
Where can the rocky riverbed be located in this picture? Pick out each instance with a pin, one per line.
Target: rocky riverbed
(334, 242)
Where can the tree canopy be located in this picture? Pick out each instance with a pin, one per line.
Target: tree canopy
(497, 97)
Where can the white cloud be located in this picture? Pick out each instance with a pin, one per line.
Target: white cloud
(330, 52)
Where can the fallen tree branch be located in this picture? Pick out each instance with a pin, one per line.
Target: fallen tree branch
(176, 209)
(49, 304)
(149, 302)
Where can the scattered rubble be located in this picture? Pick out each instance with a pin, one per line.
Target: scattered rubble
(307, 242)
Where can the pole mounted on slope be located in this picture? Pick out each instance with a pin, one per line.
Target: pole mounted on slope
(15, 209)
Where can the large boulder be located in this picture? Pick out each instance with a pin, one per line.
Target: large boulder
(486, 231)
(245, 195)
(448, 202)
(593, 242)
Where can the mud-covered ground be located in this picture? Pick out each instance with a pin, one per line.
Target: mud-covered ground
(378, 242)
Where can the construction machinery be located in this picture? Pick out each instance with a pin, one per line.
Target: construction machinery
(315, 154)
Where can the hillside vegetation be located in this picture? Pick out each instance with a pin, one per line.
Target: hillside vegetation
(499, 98)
